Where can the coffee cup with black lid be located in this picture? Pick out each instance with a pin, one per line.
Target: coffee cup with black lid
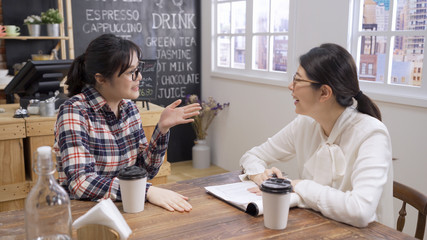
(276, 194)
(133, 182)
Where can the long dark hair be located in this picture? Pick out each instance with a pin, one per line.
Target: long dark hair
(334, 66)
(105, 55)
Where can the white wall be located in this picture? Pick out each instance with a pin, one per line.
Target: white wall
(257, 111)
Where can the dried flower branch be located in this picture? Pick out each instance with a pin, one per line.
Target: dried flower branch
(209, 110)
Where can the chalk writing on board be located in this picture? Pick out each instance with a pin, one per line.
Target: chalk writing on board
(177, 65)
(166, 30)
(148, 84)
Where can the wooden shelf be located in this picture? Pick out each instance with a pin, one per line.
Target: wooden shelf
(62, 36)
(36, 38)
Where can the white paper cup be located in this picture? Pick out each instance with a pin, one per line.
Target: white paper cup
(276, 195)
(133, 182)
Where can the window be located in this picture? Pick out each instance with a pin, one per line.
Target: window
(252, 35)
(363, 68)
(389, 37)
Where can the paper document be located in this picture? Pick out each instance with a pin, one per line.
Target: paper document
(237, 194)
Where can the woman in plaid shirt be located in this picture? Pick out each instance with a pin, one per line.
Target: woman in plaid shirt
(98, 131)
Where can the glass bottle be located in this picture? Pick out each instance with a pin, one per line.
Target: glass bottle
(47, 206)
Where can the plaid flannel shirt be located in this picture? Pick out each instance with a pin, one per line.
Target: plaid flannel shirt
(92, 145)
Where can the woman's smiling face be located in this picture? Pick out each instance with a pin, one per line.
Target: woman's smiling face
(305, 97)
(126, 86)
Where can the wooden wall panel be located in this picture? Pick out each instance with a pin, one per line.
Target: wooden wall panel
(12, 169)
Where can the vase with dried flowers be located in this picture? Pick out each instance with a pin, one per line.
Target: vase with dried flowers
(210, 108)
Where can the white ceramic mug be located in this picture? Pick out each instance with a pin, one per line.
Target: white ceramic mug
(276, 195)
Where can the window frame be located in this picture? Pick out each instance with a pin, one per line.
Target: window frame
(394, 93)
(247, 73)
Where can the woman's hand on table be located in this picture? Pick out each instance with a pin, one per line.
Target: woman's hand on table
(261, 177)
(258, 192)
(268, 173)
(168, 199)
(173, 115)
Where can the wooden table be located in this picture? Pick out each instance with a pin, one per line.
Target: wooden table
(20, 138)
(212, 218)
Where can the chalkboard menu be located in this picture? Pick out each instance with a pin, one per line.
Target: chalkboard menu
(148, 84)
(167, 31)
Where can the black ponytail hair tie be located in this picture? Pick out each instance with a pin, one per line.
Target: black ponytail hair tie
(358, 95)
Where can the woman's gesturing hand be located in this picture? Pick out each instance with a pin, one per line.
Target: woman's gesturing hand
(174, 115)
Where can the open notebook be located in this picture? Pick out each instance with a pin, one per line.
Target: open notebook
(237, 194)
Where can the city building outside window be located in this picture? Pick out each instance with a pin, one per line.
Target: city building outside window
(389, 37)
(252, 36)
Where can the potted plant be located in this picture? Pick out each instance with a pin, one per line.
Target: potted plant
(33, 23)
(52, 18)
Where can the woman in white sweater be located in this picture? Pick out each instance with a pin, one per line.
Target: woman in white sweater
(342, 148)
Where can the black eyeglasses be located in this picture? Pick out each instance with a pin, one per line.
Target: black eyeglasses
(137, 71)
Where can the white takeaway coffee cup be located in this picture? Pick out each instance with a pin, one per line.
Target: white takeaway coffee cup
(276, 194)
(133, 182)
